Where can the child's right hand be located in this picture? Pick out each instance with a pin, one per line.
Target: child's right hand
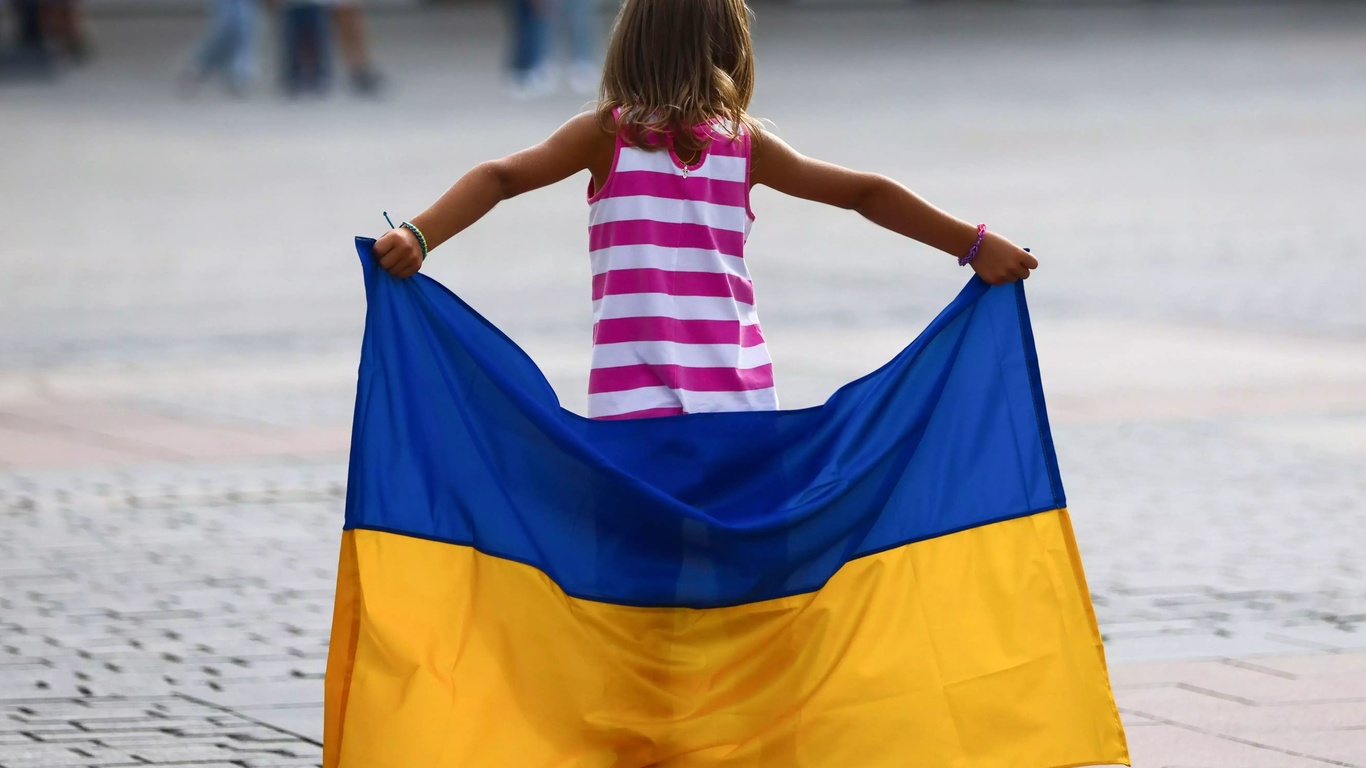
(1000, 261)
(399, 252)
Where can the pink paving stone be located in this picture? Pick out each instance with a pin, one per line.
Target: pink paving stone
(197, 441)
(24, 449)
(1347, 746)
(1207, 711)
(1326, 665)
(1151, 675)
(142, 427)
(1173, 747)
(1246, 680)
(316, 440)
(51, 434)
(1111, 406)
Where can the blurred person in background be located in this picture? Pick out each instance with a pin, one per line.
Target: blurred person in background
(538, 28)
(29, 55)
(227, 47)
(64, 25)
(578, 21)
(44, 31)
(305, 47)
(529, 74)
(355, 48)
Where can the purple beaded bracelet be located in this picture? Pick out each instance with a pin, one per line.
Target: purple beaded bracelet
(972, 252)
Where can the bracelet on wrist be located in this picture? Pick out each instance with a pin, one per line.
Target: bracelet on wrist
(421, 239)
(963, 261)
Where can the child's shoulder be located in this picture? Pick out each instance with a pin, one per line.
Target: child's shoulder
(587, 130)
(602, 130)
(592, 122)
(591, 142)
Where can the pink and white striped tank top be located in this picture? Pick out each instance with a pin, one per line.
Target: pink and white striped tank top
(674, 325)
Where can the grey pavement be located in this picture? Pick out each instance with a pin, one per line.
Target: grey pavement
(180, 312)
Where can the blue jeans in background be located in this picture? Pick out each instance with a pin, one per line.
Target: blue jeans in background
(581, 26)
(228, 45)
(307, 48)
(530, 37)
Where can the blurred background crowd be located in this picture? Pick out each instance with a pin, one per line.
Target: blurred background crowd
(314, 37)
(316, 40)
(42, 32)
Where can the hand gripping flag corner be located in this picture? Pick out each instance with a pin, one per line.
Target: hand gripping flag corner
(887, 580)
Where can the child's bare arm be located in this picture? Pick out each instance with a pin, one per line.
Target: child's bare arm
(887, 204)
(569, 150)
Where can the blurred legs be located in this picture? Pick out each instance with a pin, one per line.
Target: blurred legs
(355, 50)
(227, 46)
(307, 54)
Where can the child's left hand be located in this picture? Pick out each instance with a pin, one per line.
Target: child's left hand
(1000, 261)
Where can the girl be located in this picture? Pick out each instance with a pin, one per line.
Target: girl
(673, 155)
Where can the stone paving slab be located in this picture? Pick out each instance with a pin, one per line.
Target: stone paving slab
(1173, 746)
(1296, 390)
(1292, 711)
(150, 730)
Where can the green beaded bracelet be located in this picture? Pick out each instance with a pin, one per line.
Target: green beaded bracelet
(421, 239)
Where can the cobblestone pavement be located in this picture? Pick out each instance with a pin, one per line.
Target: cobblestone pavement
(213, 583)
(152, 730)
(179, 318)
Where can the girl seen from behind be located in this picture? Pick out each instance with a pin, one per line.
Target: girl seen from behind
(673, 154)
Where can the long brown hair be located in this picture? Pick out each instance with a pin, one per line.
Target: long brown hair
(675, 64)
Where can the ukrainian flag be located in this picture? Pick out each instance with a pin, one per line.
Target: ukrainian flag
(889, 579)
